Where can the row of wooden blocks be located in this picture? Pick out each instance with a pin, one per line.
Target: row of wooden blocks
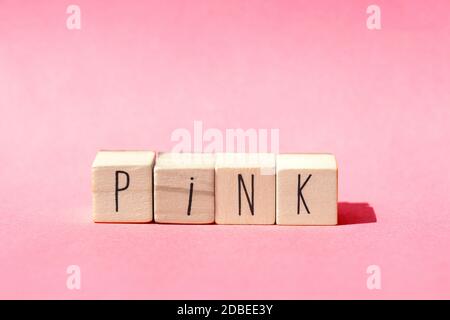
(225, 188)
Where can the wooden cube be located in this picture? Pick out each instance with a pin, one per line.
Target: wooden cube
(122, 186)
(245, 188)
(306, 189)
(184, 188)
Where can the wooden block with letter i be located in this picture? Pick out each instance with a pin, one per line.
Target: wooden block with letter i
(306, 189)
(122, 186)
(184, 188)
(245, 188)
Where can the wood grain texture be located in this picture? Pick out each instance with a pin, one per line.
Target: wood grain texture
(306, 189)
(184, 188)
(128, 170)
(237, 202)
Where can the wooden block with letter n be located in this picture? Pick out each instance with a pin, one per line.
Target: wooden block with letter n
(184, 188)
(245, 188)
(306, 189)
(122, 186)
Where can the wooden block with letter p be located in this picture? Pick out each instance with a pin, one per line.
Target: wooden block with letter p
(122, 184)
(306, 189)
(184, 188)
(245, 188)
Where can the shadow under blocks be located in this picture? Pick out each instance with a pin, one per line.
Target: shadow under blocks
(355, 213)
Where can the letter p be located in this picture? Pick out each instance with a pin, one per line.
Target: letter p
(118, 188)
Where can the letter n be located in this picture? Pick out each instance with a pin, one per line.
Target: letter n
(250, 198)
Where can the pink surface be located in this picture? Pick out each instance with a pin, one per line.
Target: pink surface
(136, 71)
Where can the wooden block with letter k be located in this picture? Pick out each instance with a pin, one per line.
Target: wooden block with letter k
(306, 189)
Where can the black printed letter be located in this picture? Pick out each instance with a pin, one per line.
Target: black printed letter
(250, 201)
(191, 189)
(300, 194)
(120, 189)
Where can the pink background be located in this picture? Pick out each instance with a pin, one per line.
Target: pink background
(137, 70)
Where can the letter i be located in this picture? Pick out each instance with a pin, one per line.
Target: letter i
(191, 189)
